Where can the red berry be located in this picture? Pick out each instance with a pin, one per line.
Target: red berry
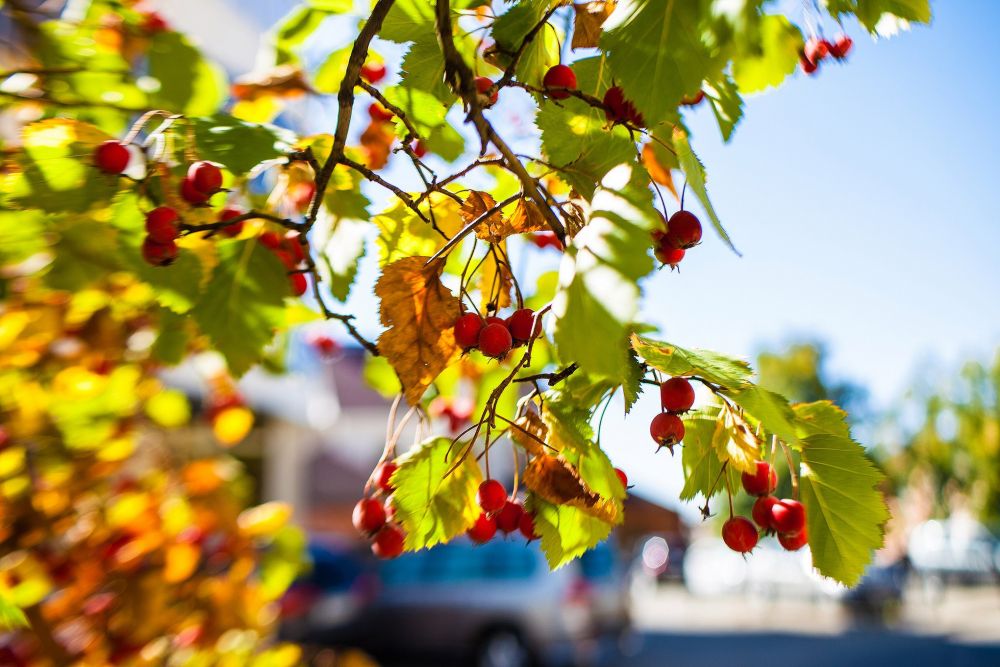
(807, 66)
(523, 326)
(419, 149)
(527, 526)
(483, 529)
(378, 113)
(841, 47)
(390, 508)
(467, 329)
(559, 76)
(484, 85)
(191, 194)
(669, 255)
(235, 228)
(373, 72)
(491, 496)
(545, 239)
(619, 109)
(298, 283)
(739, 534)
(111, 157)
(270, 240)
(383, 473)
(295, 248)
(493, 319)
(622, 477)
(683, 230)
(667, 429)
(762, 481)
(388, 542)
(816, 49)
(508, 519)
(495, 340)
(368, 516)
(676, 395)
(161, 224)
(788, 516)
(762, 511)
(153, 23)
(793, 541)
(325, 345)
(693, 101)
(206, 177)
(159, 254)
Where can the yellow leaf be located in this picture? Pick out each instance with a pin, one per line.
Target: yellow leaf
(231, 425)
(419, 312)
(180, 562)
(657, 170)
(282, 81)
(495, 228)
(265, 519)
(495, 279)
(530, 431)
(734, 442)
(590, 16)
(169, 408)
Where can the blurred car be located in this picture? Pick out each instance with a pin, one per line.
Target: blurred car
(959, 549)
(495, 605)
(879, 592)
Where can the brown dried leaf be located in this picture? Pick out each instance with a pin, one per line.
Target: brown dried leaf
(495, 280)
(419, 312)
(476, 204)
(555, 480)
(281, 81)
(529, 431)
(657, 171)
(590, 16)
(527, 218)
(377, 141)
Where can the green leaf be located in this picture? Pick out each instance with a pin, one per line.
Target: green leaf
(340, 244)
(84, 253)
(694, 173)
(381, 377)
(330, 73)
(509, 31)
(332, 6)
(244, 303)
(711, 366)
(821, 417)
(566, 532)
(632, 386)
(700, 459)
(11, 616)
(428, 116)
(21, 235)
(423, 68)
(845, 512)
(870, 12)
(777, 57)
(727, 105)
(598, 281)
(237, 144)
(432, 504)
(657, 56)
(189, 84)
(770, 409)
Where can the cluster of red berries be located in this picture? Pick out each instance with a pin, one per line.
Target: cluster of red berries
(816, 50)
(500, 512)
(619, 109)
(495, 336)
(786, 517)
(676, 397)
(375, 518)
(291, 250)
(683, 231)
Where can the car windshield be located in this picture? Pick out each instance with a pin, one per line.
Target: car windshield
(461, 561)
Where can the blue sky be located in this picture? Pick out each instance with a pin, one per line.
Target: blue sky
(866, 206)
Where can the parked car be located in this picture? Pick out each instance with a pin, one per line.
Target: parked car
(880, 591)
(495, 605)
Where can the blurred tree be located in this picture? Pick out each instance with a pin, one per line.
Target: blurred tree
(798, 372)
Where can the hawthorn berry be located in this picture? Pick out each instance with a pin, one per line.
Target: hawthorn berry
(788, 516)
(270, 240)
(159, 254)
(808, 66)
(523, 326)
(739, 534)
(495, 340)
(683, 230)
(325, 345)
(695, 100)
(494, 319)
(619, 109)
(676, 395)
(192, 194)
(373, 72)
(669, 255)
(206, 177)
(527, 526)
(841, 47)
(419, 149)
(666, 429)
(622, 477)
(378, 113)
(467, 329)
(368, 516)
(761, 511)
(111, 157)
(483, 86)
(816, 49)
(235, 228)
(383, 475)
(762, 481)
(491, 496)
(559, 77)
(508, 519)
(298, 283)
(483, 529)
(543, 240)
(161, 224)
(388, 542)
(793, 541)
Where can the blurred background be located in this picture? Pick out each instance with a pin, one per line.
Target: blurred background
(865, 207)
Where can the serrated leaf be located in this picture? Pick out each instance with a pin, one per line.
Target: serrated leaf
(821, 417)
(566, 532)
(244, 303)
(734, 442)
(726, 103)
(530, 432)
(189, 83)
(694, 174)
(428, 115)
(845, 512)
(587, 22)
(770, 409)
(510, 30)
(711, 366)
(435, 496)
(699, 458)
(556, 481)
(776, 57)
(632, 386)
(403, 234)
(237, 144)
(419, 313)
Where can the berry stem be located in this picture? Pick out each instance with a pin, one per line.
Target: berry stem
(729, 493)
(791, 470)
